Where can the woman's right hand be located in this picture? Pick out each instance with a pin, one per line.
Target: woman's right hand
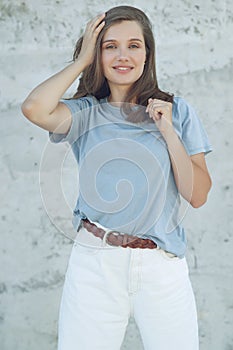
(42, 106)
(91, 33)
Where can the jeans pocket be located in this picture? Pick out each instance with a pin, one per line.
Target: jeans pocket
(169, 256)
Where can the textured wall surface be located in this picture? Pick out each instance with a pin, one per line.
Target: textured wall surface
(194, 60)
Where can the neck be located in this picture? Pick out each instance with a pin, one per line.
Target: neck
(118, 97)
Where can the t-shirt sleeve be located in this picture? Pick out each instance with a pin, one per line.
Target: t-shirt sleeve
(193, 133)
(78, 109)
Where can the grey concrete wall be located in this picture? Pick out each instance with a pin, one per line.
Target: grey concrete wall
(194, 60)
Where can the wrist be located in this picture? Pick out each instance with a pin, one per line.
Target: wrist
(169, 134)
(80, 63)
(172, 139)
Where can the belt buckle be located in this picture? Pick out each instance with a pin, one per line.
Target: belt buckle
(105, 237)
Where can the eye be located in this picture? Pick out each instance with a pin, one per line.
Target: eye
(134, 46)
(111, 46)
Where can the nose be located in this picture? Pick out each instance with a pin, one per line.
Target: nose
(122, 54)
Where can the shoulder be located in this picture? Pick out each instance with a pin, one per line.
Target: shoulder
(183, 110)
(181, 104)
(82, 102)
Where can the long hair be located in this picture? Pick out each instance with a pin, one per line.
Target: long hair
(93, 81)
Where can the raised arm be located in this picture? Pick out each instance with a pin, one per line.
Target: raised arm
(42, 106)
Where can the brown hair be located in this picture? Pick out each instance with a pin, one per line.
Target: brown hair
(93, 81)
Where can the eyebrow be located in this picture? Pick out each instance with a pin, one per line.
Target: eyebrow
(114, 40)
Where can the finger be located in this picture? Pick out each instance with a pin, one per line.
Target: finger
(154, 104)
(96, 27)
(95, 21)
(151, 108)
(156, 114)
(153, 115)
(157, 107)
(100, 27)
(149, 102)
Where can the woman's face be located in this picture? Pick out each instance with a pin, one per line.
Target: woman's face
(123, 54)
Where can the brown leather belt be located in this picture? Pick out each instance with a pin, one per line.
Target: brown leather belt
(117, 239)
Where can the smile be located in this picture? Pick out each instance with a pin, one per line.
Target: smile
(123, 69)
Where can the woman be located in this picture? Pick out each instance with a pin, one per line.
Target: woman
(137, 148)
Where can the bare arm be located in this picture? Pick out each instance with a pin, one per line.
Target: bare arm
(42, 106)
(190, 172)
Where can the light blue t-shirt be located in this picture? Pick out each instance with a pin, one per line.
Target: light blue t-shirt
(126, 181)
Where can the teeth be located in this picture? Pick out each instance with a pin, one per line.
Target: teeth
(123, 68)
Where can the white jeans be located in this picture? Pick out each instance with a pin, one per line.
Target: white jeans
(104, 287)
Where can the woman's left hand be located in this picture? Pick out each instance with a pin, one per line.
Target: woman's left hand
(161, 112)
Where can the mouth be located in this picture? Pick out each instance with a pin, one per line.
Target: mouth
(123, 69)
